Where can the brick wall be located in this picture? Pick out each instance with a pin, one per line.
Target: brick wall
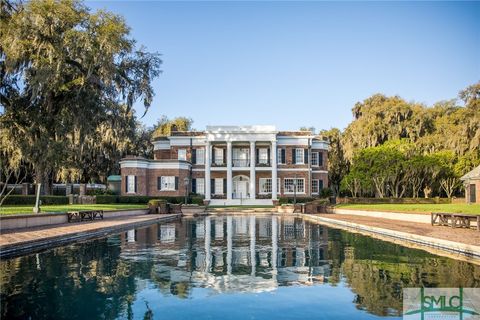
(476, 183)
(141, 175)
(153, 174)
(161, 154)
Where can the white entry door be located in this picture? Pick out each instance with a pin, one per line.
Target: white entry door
(240, 189)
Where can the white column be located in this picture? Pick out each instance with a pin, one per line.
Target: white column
(252, 170)
(229, 170)
(229, 245)
(208, 240)
(253, 259)
(208, 162)
(274, 247)
(273, 158)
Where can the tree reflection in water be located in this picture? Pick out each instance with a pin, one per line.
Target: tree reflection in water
(229, 254)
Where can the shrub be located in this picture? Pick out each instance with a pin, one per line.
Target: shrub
(135, 199)
(284, 200)
(105, 199)
(196, 200)
(326, 193)
(30, 200)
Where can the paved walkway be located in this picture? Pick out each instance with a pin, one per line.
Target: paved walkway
(22, 239)
(466, 236)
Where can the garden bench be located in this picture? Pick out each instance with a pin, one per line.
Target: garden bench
(455, 220)
(84, 215)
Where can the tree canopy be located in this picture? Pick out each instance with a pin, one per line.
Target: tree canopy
(69, 80)
(399, 148)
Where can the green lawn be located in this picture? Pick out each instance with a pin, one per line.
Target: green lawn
(425, 208)
(4, 210)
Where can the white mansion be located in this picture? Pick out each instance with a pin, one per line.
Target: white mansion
(231, 165)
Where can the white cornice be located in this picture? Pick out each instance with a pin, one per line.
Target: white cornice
(146, 164)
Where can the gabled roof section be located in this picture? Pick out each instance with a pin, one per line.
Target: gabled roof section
(474, 174)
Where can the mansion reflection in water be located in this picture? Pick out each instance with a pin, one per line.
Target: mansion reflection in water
(233, 253)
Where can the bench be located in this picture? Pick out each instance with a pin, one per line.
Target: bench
(455, 220)
(84, 215)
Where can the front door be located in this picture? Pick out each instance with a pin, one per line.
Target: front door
(240, 189)
(473, 195)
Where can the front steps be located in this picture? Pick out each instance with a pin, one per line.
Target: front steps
(241, 202)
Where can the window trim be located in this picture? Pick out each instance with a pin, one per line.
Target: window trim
(318, 159)
(271, 186)
(178, 154)
(200, 160)
(261, 160)
(318, 186)
(215, 186)
(293, 192)
(302, 158)
(130, 183)
(162, 183)
(198, 191)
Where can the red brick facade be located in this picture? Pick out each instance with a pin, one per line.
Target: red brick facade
(146, 179)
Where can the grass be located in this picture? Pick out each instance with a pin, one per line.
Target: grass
(421, 208)
(8, 210)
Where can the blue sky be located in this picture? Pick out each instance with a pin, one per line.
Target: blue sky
(295, 64)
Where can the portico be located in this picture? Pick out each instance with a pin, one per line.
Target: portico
(245, 149)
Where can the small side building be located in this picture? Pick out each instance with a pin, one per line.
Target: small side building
(471, 181)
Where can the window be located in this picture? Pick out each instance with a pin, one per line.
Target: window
(218, 155)
(263, 155)
(241, 157)
(200, 186)
(167, 183)
(279, 156)
(218, 186)
(131, 184)
(182, 154)
(265, 185)
(289, 185)
(315, 184)
(200, 156)
(314, 160)
(299, 156)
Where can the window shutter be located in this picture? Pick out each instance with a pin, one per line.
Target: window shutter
(126, 183)
(294, 154)
(194, 185)
(320, 158)
(320, 185)
(224, 155)
(283, 155)
(159, 183)
(256, 156)
(268, 155)
(212, 186)
(224, 186)
(176, 183)
(135, 184)
(305, 154)
(194, 156)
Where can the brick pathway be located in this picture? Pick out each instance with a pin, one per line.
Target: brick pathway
(22, 237)
(471, 237)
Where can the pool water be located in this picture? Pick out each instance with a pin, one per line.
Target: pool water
(224, 267)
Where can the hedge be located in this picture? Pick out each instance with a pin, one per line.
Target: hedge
(393, 200)
(30, 200)
(105, 199)
(299, 200)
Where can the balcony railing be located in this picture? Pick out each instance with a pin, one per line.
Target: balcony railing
(241, 162)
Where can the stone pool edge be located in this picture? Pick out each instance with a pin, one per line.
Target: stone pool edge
(470, 253)
(18, 249)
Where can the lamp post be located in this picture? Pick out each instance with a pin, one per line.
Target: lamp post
(186, 181)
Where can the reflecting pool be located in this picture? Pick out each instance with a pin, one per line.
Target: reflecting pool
(224, 267)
